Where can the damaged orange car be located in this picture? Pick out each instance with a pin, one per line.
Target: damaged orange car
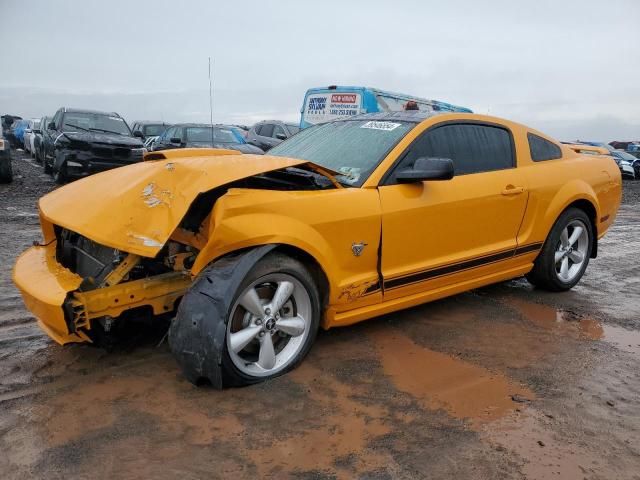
(344, 221)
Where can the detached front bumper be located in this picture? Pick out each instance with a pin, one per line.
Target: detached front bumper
(45, 285)
(50, 292)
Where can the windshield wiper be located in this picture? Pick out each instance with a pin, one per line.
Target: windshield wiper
(106, 131)
(76, 126)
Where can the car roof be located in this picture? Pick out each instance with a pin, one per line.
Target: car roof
(405, 116)
(203, 125)
(152, 122)
(83, 110)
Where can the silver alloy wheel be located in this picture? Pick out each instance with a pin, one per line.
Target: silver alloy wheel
(269, 325)
(572, 249)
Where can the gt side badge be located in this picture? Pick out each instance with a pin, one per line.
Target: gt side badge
(357, 248)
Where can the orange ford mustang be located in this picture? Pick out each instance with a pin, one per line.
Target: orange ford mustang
(342, 222)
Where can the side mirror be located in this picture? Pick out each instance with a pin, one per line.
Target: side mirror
(281, 136)
(427, 168)
(138, 134)
(176, 140)
(51, 126)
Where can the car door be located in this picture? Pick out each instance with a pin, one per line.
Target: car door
(264, 136)
(165, 143)
(438, 233)
(52, 136)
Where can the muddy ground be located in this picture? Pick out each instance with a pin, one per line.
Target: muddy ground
(501, 382)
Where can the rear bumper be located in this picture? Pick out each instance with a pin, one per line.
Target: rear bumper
(44, 285)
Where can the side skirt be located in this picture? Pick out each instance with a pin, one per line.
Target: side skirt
(364, 313)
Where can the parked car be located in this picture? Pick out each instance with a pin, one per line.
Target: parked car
(6, 171)
(243, 129)
(149, 128)
(322, 104)
(18, 128)
(626, 169)
(88, 141)
(345, 221)
(33, 126)
(621, 145)
(7, 121)
(200, 135)
(634, 149)
(38, 142)
(627, 162)
(269, 133)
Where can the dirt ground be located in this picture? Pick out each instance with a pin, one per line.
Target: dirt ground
(501, 382)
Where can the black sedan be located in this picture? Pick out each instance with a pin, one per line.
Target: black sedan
(198, 135)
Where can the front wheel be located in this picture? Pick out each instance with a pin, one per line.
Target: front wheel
(565, 255)
(60, 173)
(269, 327)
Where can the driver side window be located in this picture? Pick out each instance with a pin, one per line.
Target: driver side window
(473, 148)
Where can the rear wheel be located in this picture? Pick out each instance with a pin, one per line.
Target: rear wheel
(565, 255)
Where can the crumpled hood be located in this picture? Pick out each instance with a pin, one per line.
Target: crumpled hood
(137, 207)
(105, 138)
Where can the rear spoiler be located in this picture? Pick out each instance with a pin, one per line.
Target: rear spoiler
(589, 149)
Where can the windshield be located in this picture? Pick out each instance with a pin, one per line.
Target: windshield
(154, 130)
(625, 156)
(94, 122)
(353, 148)
(203, 135)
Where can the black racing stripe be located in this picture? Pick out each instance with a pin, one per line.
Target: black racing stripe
(457, 267)
(447, 269)
(528, 248)
(372, 288)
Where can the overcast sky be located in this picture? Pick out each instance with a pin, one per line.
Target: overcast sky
(569, 68)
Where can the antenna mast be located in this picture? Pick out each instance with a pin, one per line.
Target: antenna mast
(210, 103)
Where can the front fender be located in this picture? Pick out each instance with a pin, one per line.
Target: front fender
(256, 229)
(197, 334)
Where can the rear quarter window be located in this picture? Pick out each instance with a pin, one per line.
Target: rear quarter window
(542, 149)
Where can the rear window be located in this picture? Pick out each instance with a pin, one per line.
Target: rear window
(153, 130)
(542, 149)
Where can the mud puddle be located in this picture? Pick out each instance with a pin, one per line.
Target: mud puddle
(565, 322)
(529, 436)
(440, 381)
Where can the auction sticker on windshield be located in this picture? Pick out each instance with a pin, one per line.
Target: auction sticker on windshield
(323, 107)
(388, 126)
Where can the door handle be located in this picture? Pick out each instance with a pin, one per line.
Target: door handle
(512, 190)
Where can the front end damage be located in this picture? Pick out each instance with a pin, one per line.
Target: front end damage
(77, 288)
(118, 253)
